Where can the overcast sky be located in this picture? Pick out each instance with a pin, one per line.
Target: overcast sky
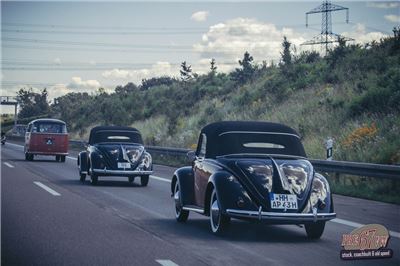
(81, 46)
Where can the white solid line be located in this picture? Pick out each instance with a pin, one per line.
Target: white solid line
(160, 178)
(52, 192)
(336, 220)
(358, 225)
(167, 263)
(9, 165)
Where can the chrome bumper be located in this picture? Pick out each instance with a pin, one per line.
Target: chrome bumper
(289, 217)
(121, 172)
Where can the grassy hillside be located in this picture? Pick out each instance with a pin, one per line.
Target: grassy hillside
(351, 95)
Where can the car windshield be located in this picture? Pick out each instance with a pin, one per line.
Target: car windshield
(49, 127)
(113, 136)
(255, 143)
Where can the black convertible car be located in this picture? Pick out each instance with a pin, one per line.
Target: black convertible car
(252, 170)
(115, 151)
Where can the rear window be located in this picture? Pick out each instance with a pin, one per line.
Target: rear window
(46, 127)
(116, 136)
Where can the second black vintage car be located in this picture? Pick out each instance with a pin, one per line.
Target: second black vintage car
(115, 151)
(252, 170)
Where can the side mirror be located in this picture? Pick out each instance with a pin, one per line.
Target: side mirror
(191, 155)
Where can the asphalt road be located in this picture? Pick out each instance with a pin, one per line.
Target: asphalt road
(48, 217)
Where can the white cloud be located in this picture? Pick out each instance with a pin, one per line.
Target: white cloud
(360, 34)
(78, 83)
(200, 16)
(383, 5)
(136, 75)
(393, 18)
(229, 40)
(57, 61)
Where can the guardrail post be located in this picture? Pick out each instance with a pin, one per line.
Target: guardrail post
(329, 149)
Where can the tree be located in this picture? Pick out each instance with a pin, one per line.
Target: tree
(245, 73)
(186, 72)
(213, 67)
(286, 56)
(32, 103)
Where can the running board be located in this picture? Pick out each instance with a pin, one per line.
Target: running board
(193, 209)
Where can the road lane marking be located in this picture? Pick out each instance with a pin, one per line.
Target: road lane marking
(336, 220)
(167, 262)
(9, 165)
(160, 178)
(16, 145)
(358, 225)
(51, 191)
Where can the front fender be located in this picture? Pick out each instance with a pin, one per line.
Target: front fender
(230, 193)
(83, 161)
(184, 176)
(320, 196)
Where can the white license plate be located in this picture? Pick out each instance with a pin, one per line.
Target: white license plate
(124, 165)
(283, 201)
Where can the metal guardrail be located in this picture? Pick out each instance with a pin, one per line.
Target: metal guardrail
(341, 167)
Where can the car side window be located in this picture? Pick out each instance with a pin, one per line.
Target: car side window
(203, 144)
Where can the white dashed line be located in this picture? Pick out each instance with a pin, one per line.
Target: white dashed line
(160, 178)
(336, 220)
(358, 225)
(51, 191)
(167, 262)
(9, 165)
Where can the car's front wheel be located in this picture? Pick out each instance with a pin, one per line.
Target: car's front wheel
(315, 230)
(180, 214)
(219, 222)
(82, 176)
(144, 180)
(131, 179)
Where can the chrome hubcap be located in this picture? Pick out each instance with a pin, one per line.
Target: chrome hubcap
(177, 197)
(214, 212)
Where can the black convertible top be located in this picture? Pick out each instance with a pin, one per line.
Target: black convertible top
(230, 137)
(102, 133)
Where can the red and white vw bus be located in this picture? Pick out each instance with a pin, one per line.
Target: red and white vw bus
(46, 137)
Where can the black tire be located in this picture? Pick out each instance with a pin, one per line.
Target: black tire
(82, 177)
(315, 230)
(94, 179)
(28, 157)
(131, 179)
(57, 158)
(62, 158)
(219, 222)
(180, 214)
(144, 180)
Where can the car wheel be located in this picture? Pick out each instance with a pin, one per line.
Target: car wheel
(62, 158)
(131, 179)
(315, 230)
(28, 157)
(93, 179)
(180, 214)
(57, 158)
(82, 177)
(218, 221)
(144, 180)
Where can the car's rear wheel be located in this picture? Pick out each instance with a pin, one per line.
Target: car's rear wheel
(219, 222)
(62, 158)
(28, 157)
(315, 230)
(180, 214)
(57, 158)
(131, 179)
(144, 180)
(82, 176)
(94, 179)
